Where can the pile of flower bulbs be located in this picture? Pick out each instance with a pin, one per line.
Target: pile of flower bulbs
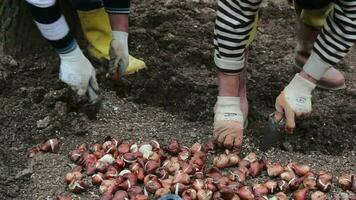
(126, 170)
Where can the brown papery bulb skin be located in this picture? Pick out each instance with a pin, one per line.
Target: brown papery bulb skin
(181, 177)
(161, 192)
(120, 195)
(106, 196)
(257, 167)
(283, 185)
(196, 147)
(299, 170)
(234, 159)
(287, 175)
(73, 176)
(173, 147)
(353, 183)
(124, 148)
(259, 190)
(189, 194)
(274, 169)
(301, 194)
(97, 179)
(51, 145)
(323, 181)
(345, 181)
(151, 166)
(245, 193)
(204, 195)
(152, 186)
(141, 197)
(221, 161)
(281, 196)
(318, 195)
(272, 186)
(309, 181)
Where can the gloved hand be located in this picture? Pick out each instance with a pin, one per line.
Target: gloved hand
(119, 54)
(294, 101)
(78, 73)
(228, 123)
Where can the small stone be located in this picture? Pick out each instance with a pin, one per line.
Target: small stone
(287, 146)
(43, 123)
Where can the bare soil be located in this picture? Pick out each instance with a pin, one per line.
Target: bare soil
(173, 98)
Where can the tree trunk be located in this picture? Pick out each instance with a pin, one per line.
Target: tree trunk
(17, 30)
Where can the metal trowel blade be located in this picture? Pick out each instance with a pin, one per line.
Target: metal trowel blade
(273, 133)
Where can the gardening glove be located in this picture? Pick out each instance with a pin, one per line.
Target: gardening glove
(294, 101)
(78, 73)
(119, 53)
(228, 123)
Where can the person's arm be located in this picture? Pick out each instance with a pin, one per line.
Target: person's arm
(333, 43)
(75, 69)
(335, 40)
(119, 20)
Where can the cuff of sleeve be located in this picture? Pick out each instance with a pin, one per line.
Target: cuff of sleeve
(315, 66)
(229, 66)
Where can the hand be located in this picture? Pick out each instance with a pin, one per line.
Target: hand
(119, 54)
(294, 101)
(78, 73)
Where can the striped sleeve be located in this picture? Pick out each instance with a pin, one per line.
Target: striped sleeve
(117, 6)
(234, 22)
(335, 40)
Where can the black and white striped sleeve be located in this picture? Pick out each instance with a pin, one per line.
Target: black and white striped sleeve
(117, 6)
(335, 40)
(234, 22)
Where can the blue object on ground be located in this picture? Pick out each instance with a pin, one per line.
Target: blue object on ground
(170, 197)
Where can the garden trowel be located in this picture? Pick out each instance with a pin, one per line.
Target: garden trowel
(273, 132)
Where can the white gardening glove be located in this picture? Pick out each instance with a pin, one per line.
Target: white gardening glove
(78, 73)
(119, 54)
(228, 122)
(294, 101)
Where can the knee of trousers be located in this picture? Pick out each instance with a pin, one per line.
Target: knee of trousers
(86, 5)
(41, 3)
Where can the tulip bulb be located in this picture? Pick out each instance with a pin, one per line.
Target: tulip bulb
(189, 194)
(204, 195)
(120, 195)
(281, 196)
(318, 195)
(323, 181)
(299, 170)
(245, 193)
(301, 194)
(353, 183)
(181, 177)
(151, 166)
(73, 176)
(124, 148)
(77, 186)
(97, 179)
(221, 161)
(274, 169)
(272, 186)
(259, 190)
(51, 145)
(309, 181)
(287, 175)
(173, 147)
(161, 192)
(257, 167)
(196, 147)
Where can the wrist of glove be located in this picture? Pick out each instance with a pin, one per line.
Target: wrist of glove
(78, 73)
(119, 53)
(295, 100)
